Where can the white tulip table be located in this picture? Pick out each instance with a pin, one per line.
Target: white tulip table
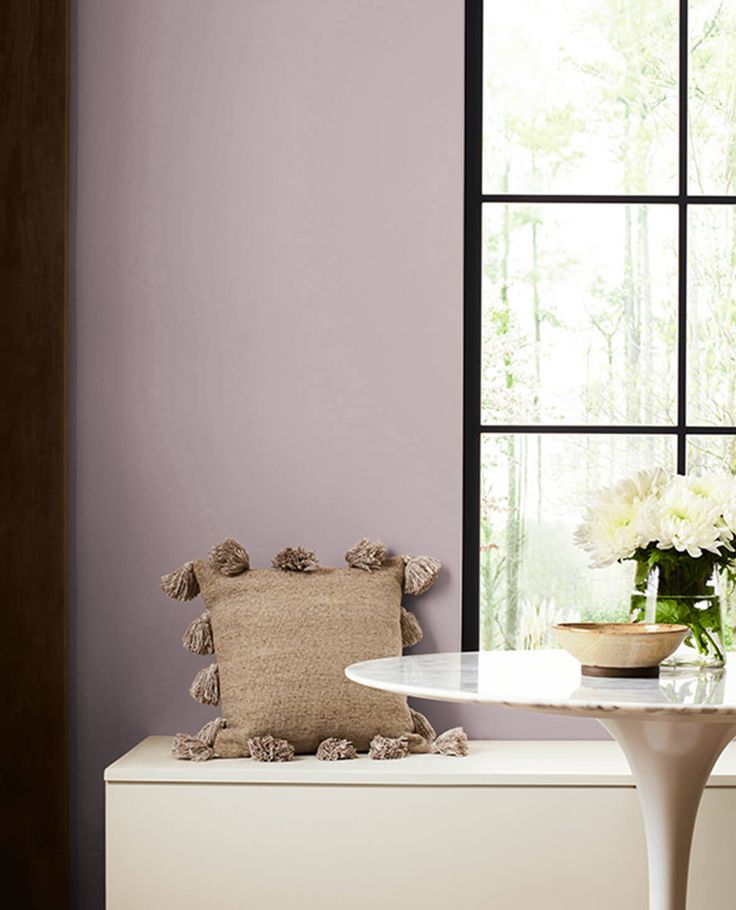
(672, 729)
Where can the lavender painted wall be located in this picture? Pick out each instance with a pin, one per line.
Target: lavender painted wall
(267, 326)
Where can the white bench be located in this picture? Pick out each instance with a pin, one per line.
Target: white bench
(514, 826)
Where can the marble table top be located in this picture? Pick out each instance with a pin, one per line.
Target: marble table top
(548, 681)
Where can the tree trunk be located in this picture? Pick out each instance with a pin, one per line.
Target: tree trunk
(647, 317)
(631, 324)
(513, 521)
(537, 312)
(486, 577)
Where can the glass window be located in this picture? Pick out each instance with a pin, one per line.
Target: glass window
(600, 284)
(579, 306)
(581, 96)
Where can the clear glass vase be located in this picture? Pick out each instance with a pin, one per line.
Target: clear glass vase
(684, 598)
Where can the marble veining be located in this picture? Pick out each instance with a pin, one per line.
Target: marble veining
(548, 681)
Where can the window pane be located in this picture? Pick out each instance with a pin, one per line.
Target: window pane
(711, 453)
(534, 489)
(580, 96)
(579, 314)
(712, 96)
(711, 308)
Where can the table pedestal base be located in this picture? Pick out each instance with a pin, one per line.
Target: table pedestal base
(671, 760)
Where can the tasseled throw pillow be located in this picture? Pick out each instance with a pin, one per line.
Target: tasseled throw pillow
(281, 638)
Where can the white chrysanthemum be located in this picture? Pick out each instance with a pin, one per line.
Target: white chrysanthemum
(622, 518)
(644, 484)
(646, 521)
(691, 514)
(688, 521)
(719, 489)
(612, 527)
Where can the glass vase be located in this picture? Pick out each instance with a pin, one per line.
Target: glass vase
(691, 598)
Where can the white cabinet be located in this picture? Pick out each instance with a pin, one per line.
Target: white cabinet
(515, 825)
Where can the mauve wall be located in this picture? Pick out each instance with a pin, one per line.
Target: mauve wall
(267, 327)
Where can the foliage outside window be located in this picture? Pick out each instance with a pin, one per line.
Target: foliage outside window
(607, 297)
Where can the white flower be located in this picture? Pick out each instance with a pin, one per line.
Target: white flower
(720, 489)
(614, 524)
(688, 521)
(646, 522)
(690, 514)
(645, 483)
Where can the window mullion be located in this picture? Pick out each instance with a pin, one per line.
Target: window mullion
(682, 244)
(470, 628)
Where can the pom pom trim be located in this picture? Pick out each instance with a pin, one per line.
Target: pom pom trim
(451, 742)
(190, 748)
(268, 748)
(295, 559)
(386, 748)
(366, 554)
(230, 557)
(336, 749)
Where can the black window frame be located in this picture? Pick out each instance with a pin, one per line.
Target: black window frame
(475, 199)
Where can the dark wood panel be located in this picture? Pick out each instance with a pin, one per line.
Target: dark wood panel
(33, 538)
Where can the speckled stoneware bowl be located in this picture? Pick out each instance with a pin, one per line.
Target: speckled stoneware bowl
(623, 649)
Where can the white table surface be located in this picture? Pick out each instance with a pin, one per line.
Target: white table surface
(549, 681)
(672, 729)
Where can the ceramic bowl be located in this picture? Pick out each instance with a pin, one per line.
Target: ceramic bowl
(633, 649)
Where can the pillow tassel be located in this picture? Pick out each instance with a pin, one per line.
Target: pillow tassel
(385, 748)
(366, 554)
(198, 636)
(295, 559)
(206, 686)
(190, 748)
(199, 747)
(181, 584)
(208, 733)
(411, 631)
(420, 573)
(422, 726)
(230, 557)
(269, 748)
(335, 749)
(451, 742)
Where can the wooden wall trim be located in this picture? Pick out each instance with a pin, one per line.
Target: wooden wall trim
(34, 42)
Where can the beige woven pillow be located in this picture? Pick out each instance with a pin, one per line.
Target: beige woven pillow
(282, 638)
